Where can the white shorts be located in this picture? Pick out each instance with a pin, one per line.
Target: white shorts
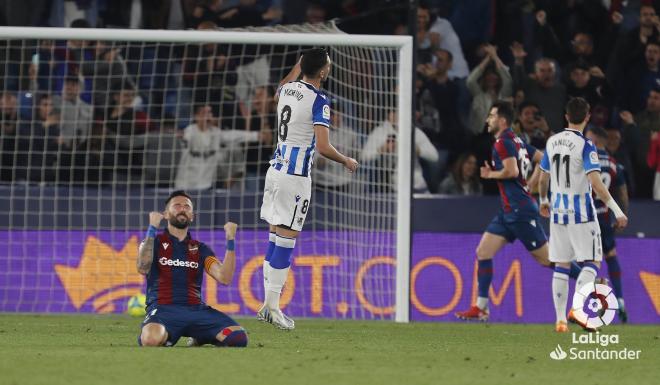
(286, 199)
(575, 242)
(251, 76)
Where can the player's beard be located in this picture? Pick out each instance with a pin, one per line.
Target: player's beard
(491, 129)
(182, 223)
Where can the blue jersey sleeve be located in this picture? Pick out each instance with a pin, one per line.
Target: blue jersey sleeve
(545, 162)
(205, 251)
(321, 111)
(590, 157)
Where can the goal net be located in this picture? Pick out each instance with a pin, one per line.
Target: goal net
(99, 126)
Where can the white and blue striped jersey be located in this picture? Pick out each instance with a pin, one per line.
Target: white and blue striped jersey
(299, 108)
(568, 158)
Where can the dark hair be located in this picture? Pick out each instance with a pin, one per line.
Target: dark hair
(490, 69)
(458, 166)
(599, 132)
(585, 33)
(504, 110)
(41, 97)
(124, 85)
(652, 42)
(577, 110)
(199, 106)
(449, 55)
(313, 60)
(80, 23)
(580, 64)
(177, 193)
(71, 79)
(527, 103)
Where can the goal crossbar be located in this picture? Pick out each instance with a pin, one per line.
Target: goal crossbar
(404, 44)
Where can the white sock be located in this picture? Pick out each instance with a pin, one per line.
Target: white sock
(266, 266)
(266, 269)
(276, 280)
(560, 294)
(482, 303)
(587, 275)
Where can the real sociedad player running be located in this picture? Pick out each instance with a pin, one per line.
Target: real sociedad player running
(303, 112)
(571, 168)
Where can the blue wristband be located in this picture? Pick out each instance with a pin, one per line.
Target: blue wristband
(151, 232)
(230, 245)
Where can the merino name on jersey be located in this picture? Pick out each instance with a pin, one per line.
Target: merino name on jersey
(300, 107)
(295, 93)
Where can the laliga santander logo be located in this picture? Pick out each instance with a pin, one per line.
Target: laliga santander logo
(558, 353)
(595, 305)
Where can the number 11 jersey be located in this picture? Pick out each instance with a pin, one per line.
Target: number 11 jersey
(299, 108)
(568, 158)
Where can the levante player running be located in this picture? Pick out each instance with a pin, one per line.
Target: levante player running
(612, 174)
(519, 217)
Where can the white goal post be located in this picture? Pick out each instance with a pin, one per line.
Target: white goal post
(404, 67)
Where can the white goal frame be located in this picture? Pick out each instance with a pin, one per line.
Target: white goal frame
(404, 45)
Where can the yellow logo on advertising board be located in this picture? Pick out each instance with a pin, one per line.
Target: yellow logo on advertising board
(103, 275)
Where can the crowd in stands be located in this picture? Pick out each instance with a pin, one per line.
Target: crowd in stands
(538, 54)
(72, 110)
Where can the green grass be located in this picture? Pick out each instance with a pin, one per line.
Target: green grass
(82, 349)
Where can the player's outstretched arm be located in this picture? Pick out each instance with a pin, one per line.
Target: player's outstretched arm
(146, 249)
(224, 272)
(604, 195)
(326, 149)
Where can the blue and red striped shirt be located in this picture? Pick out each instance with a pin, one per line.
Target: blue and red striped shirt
(613, 178)
(517, 202)
(177, 270)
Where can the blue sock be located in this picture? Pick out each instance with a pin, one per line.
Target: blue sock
(484, 276)
(575, 270)
(614, 271)
(237, 339)
(281, 258)
(233, 338)
(271, 246)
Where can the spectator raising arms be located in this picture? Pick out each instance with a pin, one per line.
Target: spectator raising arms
(488, 82)
(542, 88)
(381, 148)
(206, 146)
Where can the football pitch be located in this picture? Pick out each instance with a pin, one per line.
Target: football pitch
(84, 349)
